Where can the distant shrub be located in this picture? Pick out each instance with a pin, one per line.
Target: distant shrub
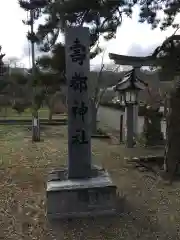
(19, 105)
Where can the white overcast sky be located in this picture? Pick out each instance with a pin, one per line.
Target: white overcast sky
(132, 38)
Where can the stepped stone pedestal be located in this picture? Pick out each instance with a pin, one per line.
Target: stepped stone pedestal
(93, 196)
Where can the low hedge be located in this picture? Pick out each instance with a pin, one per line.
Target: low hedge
(117, 106)
(114, 105)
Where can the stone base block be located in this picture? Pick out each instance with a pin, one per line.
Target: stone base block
(80, 197)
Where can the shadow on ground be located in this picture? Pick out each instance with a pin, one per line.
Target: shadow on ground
(127, 224)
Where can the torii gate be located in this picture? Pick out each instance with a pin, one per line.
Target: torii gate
(135, 62)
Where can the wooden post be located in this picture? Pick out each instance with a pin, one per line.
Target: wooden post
(135, 120)
(121, 128)
(130, 126)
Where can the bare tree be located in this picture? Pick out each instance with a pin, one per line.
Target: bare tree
(98, 88)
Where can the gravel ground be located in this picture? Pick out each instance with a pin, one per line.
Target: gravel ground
(150, 209)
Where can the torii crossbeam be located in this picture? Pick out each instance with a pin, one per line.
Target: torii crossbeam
(135, 61)
(148, 60)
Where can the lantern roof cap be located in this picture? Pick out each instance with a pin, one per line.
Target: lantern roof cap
(130, 82)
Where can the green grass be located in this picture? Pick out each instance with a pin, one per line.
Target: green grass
(151, 208)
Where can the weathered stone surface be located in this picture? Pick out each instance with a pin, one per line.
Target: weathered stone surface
(79, 125)
(80, 197)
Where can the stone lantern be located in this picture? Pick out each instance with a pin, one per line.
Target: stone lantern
(128, 89)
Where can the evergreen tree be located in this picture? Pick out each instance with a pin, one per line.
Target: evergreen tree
(54, 62)
(52, 69)
(102, 18)
(4, 70)
(169, 54)
(150, 9)
(34, 8)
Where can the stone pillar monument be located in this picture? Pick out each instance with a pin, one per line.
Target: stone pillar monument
(81, 189)
(77, 63)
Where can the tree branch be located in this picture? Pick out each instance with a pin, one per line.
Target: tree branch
(98, 80)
